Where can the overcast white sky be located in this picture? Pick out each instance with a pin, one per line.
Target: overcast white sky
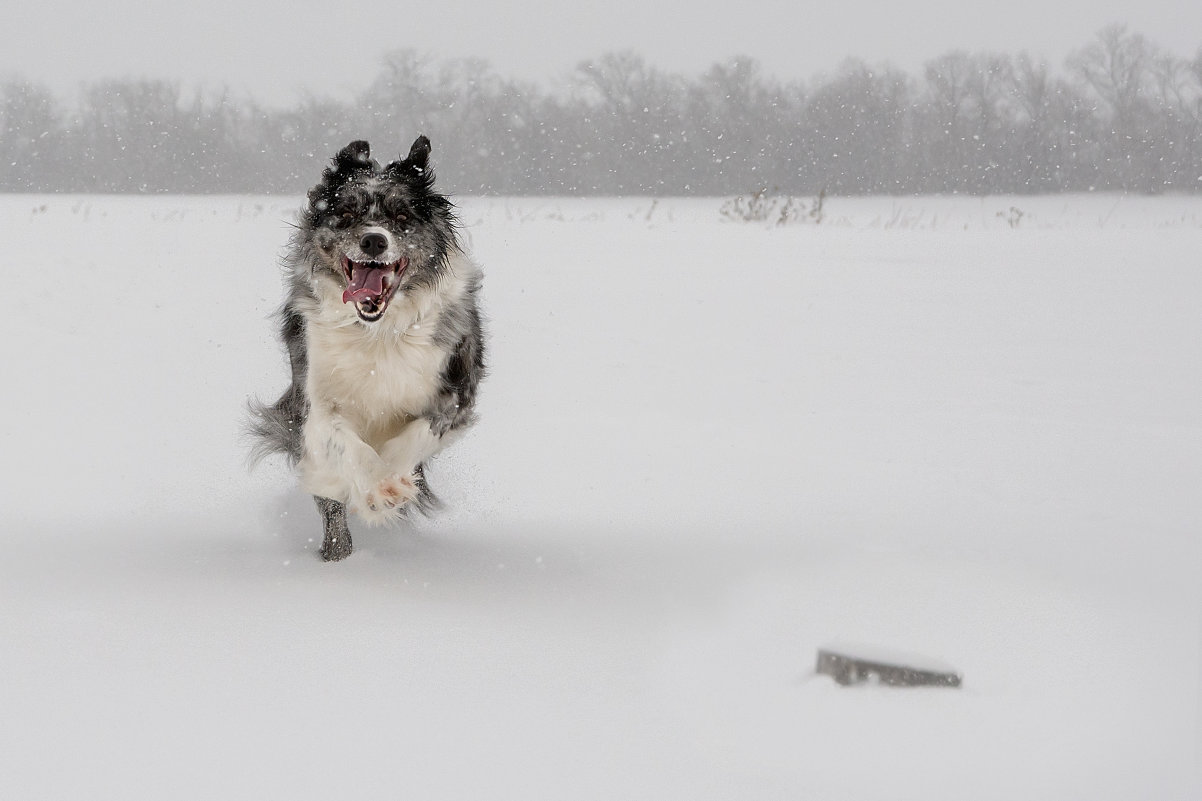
(279, 50)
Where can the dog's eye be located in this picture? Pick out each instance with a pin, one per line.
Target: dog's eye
(396, 209)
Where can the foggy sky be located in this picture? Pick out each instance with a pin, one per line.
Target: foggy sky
(278, 51)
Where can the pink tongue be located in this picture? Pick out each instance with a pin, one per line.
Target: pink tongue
(366, 283)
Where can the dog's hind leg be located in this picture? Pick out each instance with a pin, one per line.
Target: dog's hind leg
(336, 544)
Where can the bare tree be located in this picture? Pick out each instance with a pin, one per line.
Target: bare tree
(1053, 130)
(633, 111)
(990, 123)
(1177, 144)
(128, 132)
(738, 120)
(30, 148)
(1117, 67)
(943, 125)
(857, 130)
(966, 121)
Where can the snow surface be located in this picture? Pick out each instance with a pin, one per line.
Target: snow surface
(706, 449)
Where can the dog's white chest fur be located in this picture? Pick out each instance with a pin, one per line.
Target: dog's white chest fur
(370, 391)
(379, 377)
(376, 378)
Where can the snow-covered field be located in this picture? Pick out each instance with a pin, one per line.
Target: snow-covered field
(706, 450)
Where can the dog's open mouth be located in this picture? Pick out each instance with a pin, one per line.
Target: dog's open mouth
(371, 284)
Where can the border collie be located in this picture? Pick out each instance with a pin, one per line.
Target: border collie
(383, 331)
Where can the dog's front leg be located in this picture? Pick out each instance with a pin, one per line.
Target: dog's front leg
(338, 465)
(416, 443)
(336, 544)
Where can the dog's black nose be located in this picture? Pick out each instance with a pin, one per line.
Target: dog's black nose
(373, 244)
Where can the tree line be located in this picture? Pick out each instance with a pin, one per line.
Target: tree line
(1120, 114)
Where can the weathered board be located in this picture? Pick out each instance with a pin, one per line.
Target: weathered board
(855, 666)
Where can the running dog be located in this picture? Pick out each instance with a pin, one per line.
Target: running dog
(382, 326)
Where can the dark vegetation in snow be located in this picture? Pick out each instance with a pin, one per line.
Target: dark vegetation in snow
(1122, 114)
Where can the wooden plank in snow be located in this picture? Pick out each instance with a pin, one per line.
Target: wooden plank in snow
(857, 665)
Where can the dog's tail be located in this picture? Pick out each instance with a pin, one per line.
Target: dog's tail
(276, 428)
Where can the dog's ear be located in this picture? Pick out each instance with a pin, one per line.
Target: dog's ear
(419, 154)
(417, 174)
(416, 165)
(352, 159)
(355, 156)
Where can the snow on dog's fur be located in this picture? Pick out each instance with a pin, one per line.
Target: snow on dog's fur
(383, 333)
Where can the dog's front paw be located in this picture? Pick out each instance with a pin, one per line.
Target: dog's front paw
(382, 502)
(391, 492)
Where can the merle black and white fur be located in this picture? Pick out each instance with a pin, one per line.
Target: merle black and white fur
(383, 331)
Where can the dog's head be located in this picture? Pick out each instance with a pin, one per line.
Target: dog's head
(376, 231)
